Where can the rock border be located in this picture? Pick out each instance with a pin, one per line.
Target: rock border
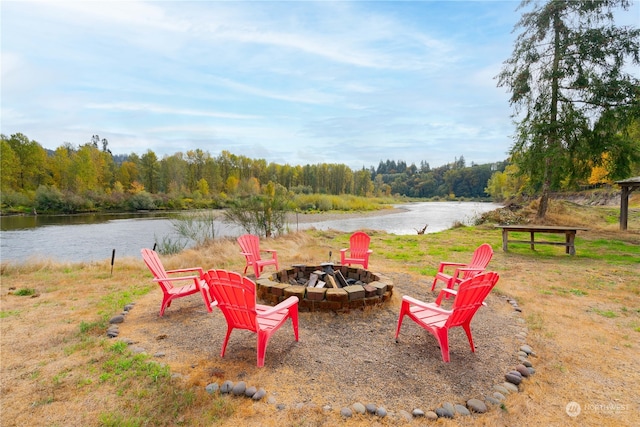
(514, 380)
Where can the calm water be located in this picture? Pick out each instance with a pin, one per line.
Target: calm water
(79, 238)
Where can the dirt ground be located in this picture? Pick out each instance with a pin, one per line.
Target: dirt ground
(341, 358)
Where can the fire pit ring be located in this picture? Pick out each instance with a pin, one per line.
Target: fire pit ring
(326, 287)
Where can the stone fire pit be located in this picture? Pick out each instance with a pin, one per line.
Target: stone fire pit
(326, 287)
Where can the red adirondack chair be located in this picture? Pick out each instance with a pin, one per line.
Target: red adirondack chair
(171, 292)
(468, 299)
(236, 297)
(479, 261)
(250, 245)
(358, 250)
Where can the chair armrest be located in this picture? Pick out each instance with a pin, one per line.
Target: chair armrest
(442, 293)
(425, 305)
(273, 252)
(452, 264)
(457, 272)
(478, 269)
(449, 291)
(445, 264)
(286, 304)
(186, 270)
(197, 280)
(370, 251)
(344, 250)
(249, 255)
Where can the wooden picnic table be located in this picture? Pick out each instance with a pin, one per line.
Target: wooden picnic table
(568, 231)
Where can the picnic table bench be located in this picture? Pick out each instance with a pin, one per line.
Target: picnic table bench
(569, 232)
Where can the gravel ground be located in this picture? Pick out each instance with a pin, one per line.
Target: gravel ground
(340, 358)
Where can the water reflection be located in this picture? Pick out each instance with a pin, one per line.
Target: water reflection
(438, 215)
(77, 238)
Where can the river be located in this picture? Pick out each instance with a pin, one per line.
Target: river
(94, 237)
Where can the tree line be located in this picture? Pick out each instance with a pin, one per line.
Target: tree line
(90, 177)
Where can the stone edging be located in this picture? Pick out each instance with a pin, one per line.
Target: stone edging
(513, 383)
(368, 289)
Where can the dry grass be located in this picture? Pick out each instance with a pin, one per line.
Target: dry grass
(582, 312)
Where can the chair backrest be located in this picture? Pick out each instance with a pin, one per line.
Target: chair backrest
(250, 243)
(471, 293)
(236, 297)
(152, 260)
(359, 244)
(480, 259)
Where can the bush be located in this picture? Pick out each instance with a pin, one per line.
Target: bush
(168, 246)
(141, 201)
(49, 199)
(13, 201)
(199, 227)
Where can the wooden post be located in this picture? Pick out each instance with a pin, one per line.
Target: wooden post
(624, 207)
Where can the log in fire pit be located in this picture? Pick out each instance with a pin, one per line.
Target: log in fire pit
(326, 287)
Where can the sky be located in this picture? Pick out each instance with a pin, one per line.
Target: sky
(298, 82)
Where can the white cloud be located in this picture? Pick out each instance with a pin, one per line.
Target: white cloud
(300, 81)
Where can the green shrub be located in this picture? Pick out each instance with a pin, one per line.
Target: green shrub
(142, 201)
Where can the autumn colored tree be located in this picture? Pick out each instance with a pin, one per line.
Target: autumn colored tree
(28, 170)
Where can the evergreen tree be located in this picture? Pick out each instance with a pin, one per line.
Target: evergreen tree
(567, 70)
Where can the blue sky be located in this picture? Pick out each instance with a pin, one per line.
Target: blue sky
(290, 82)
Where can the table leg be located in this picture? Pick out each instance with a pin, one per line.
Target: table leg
(571, 248)
(505, 239)
(533, 246)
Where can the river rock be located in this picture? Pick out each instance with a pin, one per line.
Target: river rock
(501, 389)
(526, 349)
(371, 408)
(462, 410)
(117, 319)
(250, 391)
(498, 395)
(258, 395)
(431, 416)
(346, 412)
(477, 405)
(417, 412)
(226, 387)
(212, 388)
(511, 387)
(513, 377)
(359, 408)
(239, 388)
(524, 371)
(443, 412)
(492, 400)
(381, 412)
